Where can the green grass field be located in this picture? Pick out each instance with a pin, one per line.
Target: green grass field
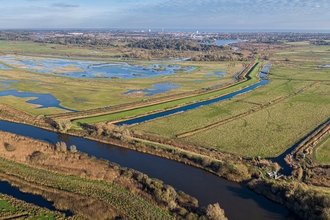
(266, 133)
(271, 131)
(169, 127)
(11, 47)
(322, 151)
(82, 94)
(11, 208)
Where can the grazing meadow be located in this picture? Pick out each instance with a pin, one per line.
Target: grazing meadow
(275, 116)
(322, 151)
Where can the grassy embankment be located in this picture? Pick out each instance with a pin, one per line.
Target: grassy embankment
(11, 208)
(171, 126)
(124, 202)
(322, 152)
(88, 187)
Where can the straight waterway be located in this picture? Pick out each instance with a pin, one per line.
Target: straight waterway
(192, 106)
(262, 76)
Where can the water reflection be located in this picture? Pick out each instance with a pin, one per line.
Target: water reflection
(91, 69)
(237, 200)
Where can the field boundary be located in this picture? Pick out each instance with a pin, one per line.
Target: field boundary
(260, 107)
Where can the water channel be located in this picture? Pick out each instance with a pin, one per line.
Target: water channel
(6, 188)
(192, 106)
(236, 199)
(262, 76)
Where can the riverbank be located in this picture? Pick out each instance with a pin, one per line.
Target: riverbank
(12, 208)
(305, 201)
(125, 187)
(211, 190)
(212, 161)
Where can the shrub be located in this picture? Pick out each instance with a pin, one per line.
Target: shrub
(214, 212)
(61, 146)
(9, 147)
(63, 125)
(37, 156)
(73, 149)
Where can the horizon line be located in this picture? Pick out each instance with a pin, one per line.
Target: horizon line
(179, 29)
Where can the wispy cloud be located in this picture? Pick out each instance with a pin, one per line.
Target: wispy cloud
(65, 5)
(301, 14)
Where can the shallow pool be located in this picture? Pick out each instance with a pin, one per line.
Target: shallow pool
(42, 100)
(155, 89)
(92, 69)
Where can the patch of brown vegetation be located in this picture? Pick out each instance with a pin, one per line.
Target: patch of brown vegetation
(42, 155)
(10, 111)
(69, 163)
(11, 114)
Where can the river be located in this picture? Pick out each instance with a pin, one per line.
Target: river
(236, 199)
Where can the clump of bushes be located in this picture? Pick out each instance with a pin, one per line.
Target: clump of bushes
(214, 212)
(9, 147)
(303, 200)
(110, 130)
(62, 147)
(178, 203)
(73, 149)
(37, 156)
(63, 125)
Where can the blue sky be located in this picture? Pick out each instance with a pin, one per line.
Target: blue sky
(168, 14)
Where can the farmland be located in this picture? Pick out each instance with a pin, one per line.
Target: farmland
(294, 80)
(322, 152)
(74, 90)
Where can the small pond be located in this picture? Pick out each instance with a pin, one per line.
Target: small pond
(323, 66)
(155, 89)
(43, 100)
(266, 68)
(220, 73)
(92, 69)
